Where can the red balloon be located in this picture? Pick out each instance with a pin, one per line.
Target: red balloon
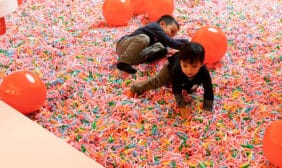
(213, 41)
(24, 91)
(157, 8)
(117, 12)
(20, 2)
(2, 26)
(272, 143)
(138, 6)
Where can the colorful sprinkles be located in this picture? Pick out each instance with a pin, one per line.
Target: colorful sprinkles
(73, 50)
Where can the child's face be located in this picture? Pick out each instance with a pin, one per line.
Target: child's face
(189, 69)
(170, 29)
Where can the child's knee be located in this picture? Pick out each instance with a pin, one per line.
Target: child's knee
(143, 39)
(158, 45)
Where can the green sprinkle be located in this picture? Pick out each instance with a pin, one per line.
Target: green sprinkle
(208, 152)
(78, 137)
(111, 103)
(202, 165)
(84, 121)
(90, 76)
(183, 144)
(142, 128)
(150, 108)
(162, 102)
(154, 129)
(198, 119)
(217, 138)
(79, 57)
(75, 72)
(94, 125)
(247, 145)
(63, 39)
(173, 164)
(90, 59)
(83, 149)
(95, 110)
(247, 118)
(182, 135)
(245, 165)
(266, 79)
(111, 139)
(235, 152)
(187, 156)
(156, 159)
(127, 82)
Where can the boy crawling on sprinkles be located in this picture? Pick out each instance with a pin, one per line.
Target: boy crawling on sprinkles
(148, 43)
(186, 71)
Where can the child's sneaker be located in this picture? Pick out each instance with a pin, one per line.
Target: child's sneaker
(153, 56)
(126, 67)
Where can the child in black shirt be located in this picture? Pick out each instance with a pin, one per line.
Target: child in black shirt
(148, 43)
(185, 70)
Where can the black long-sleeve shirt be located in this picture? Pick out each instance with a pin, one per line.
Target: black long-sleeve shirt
(181, 81)
(156, 34)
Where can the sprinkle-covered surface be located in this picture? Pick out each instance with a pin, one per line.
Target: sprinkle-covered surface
(70, 47)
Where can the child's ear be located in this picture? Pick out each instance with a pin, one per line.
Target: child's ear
(162, 23)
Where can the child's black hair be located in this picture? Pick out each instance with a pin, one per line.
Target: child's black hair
(168, 20)
(192, 52)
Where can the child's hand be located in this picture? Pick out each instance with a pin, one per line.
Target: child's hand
(184, 112)
(208, 105)
(130, 94)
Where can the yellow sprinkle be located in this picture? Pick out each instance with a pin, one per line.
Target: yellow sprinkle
(245, 165)
(220, 125)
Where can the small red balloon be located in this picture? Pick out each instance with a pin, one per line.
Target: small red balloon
(272, 143)
(24, 91)
(117, 12)
(214, 42)
(20, 2)
(157, 8)
(2, 26)
(138, 6)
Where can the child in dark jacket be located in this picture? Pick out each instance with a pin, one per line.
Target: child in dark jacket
(186, 71)
(148, 43)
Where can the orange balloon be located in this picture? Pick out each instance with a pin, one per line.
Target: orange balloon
(138, 6)
(117, 12)
(214, 42)
(24, 91)
(20, 2)
(157, 8)
(2, 26)
(272, 143)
